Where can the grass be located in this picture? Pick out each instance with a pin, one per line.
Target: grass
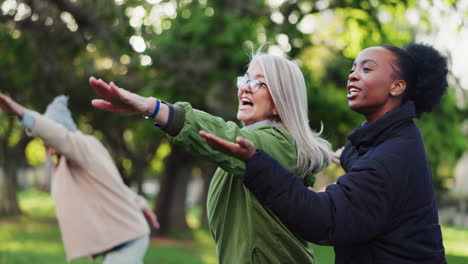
(35, 238)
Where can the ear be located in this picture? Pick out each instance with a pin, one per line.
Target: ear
(398, 88)
(275, 112)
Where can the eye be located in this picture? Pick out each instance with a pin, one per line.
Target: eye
(351, 71)
(255, 85)
(367, 69)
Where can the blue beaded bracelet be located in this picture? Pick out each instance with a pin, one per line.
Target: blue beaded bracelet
(155, 112)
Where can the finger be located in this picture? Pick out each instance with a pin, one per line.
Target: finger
(245, 143)
(202, 133)
(5, 103)
(119, 93)
(125, 96)
(215, 143)
(3, 98)
(340, 150)
(114, 88)
(100, 87)
(105, 105)
(224, 143)
(92, 80)
(107, 91)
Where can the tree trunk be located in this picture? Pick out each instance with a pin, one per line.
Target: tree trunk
(8, 200)
(170, 202)
(139, 166)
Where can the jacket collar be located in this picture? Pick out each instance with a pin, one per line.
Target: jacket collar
(371, 134)
(263, 123)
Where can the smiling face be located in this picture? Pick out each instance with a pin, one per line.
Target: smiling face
(371, 83)
(258, 106)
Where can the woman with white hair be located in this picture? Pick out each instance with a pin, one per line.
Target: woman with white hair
(273, 110)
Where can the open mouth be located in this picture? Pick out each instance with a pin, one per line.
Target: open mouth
(353, 91)
(246, 101)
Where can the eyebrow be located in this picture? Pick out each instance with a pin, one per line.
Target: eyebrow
(256, 76)
(366, 60)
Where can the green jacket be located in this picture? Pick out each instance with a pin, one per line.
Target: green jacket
(244, 231)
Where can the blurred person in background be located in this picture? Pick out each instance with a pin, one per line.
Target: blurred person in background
(97, 213)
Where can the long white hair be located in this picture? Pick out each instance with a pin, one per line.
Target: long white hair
(287, 87)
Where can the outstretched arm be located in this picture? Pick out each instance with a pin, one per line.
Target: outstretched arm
(336, 216)
(264, 185)
(11, 107)
(119, 100)
(243, 149)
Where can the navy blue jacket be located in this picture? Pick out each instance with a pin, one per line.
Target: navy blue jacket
(382, 210)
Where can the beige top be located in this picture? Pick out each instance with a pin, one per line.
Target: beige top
(95, 209)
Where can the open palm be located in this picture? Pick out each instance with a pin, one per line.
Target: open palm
(242, 149)
(116, 99)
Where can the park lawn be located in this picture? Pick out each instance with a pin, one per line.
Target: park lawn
(35, 238)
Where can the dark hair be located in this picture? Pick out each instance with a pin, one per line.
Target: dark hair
(424, 70)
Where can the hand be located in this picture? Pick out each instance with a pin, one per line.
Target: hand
(152, 218)
(243, 149)
(11, 107)
(337, 155)
(120, 100)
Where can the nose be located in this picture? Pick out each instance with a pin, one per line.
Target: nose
(353, 76)
(245, 88)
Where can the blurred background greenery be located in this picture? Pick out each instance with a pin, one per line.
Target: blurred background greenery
(192, 50)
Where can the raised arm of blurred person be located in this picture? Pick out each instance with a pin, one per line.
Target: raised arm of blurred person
(97, 213)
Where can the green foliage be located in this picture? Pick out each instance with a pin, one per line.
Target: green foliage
(157, 163)
(445, 143)
(35, 152)
(193, 52)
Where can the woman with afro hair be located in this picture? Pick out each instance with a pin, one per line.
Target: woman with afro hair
(383, 210)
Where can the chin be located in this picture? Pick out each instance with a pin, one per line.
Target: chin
(352, 106)
(355, 105)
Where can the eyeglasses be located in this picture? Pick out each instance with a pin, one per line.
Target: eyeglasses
(253, 84)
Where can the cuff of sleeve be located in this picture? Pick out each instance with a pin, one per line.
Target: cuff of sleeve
(176, 120)
(29, 120)
(252, 168)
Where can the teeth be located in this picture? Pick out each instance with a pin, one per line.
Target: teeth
(246, 100)
(353, 91)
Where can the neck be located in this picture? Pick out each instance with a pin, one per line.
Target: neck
(372, 116)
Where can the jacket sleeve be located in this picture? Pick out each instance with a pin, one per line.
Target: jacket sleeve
(274, 141)
(353, 210)
(73, 145)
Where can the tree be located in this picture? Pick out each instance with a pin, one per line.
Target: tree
(192, 51)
